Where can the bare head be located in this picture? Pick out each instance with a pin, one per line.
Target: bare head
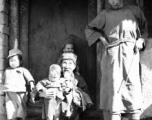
(54, 72)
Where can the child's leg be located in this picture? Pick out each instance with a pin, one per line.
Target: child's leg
(21, 99)
(50, 118)
(57, 112)
(69, 98)
(11, 105)
(49, 107)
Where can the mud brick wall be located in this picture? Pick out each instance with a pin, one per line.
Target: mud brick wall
(4, 32)
(146, 64)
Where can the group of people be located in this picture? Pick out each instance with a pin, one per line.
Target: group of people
(123, 32)
(64, 92)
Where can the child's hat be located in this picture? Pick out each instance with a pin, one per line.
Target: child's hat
(13, 52)
(68, 56)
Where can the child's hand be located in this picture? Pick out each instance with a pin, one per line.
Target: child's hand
(32, 86)
(47, 94)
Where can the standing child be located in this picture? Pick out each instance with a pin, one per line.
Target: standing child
(52, 104)
(14, 86)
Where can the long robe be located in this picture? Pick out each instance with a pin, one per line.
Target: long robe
(121, 28)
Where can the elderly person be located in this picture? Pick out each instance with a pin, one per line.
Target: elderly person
(123, 31)
(68, 63)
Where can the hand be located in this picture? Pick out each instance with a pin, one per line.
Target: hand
(47, 94)
(139, 43)
(105, 43)
(70, 85)
(32, 86)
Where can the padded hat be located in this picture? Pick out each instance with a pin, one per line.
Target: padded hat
(13, 52)
(68, 56)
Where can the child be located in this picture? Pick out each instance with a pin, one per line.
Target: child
(14, 86)
(69, 47)
(68, 85)
(52, 104)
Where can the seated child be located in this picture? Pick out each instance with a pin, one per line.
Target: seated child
(14, 86)
(52, 104)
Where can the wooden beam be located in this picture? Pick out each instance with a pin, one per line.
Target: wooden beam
(91, 54)
(24, 26)
(100, 7)
(14, 26)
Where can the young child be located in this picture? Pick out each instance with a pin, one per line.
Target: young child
(52, 105)
(69, 47)
(14, 86)
(69, 86)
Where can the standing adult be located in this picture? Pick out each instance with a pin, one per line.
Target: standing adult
(123, 31)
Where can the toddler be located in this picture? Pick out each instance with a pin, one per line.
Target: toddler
(52, 104)
(69, 86)
(14, 86)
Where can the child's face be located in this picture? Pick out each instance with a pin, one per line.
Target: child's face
(68, 48)
(54, 76)
(14, 61)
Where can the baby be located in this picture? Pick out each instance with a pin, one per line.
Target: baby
(52, 104)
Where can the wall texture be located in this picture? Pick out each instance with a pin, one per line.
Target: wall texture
(4, 32)
(146, 64)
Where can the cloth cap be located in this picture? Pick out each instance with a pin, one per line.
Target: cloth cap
(68, 56)
(69, 40)
(13, 52)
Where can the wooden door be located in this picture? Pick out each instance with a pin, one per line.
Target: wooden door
(51, 22)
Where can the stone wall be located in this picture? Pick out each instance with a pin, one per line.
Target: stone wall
(146, 64)
(4, 32)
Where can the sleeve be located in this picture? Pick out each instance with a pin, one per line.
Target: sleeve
(82, 84)
(143, 25)
(41, 85)
(93, 30)
(28, 75)
(60, 94)
(142, 22)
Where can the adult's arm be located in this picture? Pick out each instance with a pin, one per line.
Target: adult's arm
(93, 30)
(142, 22)
(82, 84)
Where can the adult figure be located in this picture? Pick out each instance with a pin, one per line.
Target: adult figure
(67, 62)
(123, 31)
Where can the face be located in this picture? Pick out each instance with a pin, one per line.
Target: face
(54, 76)
(116, 3)
(14, 61)
(68, 48)
(68, 65)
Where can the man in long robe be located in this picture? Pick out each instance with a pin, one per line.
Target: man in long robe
(123, 31)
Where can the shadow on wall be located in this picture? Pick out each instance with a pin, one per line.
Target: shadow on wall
(146, 71)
